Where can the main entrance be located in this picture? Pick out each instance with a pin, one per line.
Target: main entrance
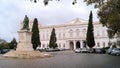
(75, 44)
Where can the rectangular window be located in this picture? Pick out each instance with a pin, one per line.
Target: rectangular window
(59, 45)
(98, 44)
(103, 44)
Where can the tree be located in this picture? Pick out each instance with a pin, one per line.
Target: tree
(4, 44)
(1, 46)
(52, 42)
(109, 14)
(13, 44)
(35, 35)
(90, 34)
(47, 1)
(97, 3)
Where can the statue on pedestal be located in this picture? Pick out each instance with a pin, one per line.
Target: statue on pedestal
(24, 37)
(24, 48)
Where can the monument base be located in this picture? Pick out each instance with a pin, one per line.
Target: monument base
(24, 46)
(26, 54)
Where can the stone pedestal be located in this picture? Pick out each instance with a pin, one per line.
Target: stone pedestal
(24, 41)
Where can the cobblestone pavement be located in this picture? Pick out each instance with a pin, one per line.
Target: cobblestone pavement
(65, 59)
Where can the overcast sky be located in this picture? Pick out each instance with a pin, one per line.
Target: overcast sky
(13, 11)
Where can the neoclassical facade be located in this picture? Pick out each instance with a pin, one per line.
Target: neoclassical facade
(72, 35)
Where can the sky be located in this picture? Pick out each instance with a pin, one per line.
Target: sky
(12, 12)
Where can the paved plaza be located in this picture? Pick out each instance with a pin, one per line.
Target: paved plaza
(65, 59)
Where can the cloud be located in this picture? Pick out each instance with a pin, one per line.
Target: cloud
(13, 12)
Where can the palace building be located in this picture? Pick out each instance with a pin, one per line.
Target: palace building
(72, 35)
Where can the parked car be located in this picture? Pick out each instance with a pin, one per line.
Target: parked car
(61, 49)
(78, 50)
(84, 50)
(116, 51)
(3, 51)
(40, 49)
(56, 49)
(91, 50)
(52, 49)
(100, 51)
(109, 50)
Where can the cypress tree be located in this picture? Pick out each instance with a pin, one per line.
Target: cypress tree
(35, 35)
(52, 42)
(90, 34)
(13, 44)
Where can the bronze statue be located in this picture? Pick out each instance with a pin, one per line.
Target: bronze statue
(26, 23)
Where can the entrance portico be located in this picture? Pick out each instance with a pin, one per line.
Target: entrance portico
(74, 44)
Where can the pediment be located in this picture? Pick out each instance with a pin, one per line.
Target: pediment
(77, 21)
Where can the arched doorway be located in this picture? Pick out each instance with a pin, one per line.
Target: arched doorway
(71, 45)
(77, 44)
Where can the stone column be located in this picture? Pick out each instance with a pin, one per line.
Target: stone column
(74, 42)
(67, 45)
(81, 44)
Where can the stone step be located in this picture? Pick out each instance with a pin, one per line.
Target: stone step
(26, 54)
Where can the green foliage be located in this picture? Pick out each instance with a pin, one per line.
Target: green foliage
(13, 44)
(4, 45)
(110, 33)
(35, 35)
(97, 3)
(114, 46)
(106, 48)
(109, 14)
(90, 34)
(52, 43)
(26, 23)
(1, 46)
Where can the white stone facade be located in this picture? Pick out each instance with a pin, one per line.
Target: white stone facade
(72, 35)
